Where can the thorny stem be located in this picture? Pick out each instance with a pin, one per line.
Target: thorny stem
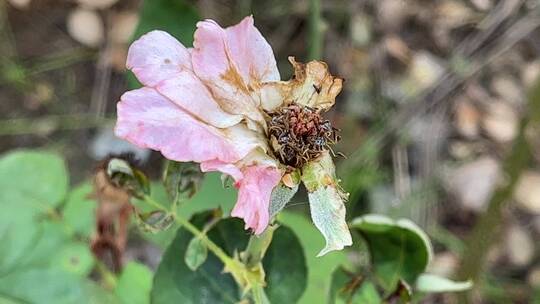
(215, 249)
(245, 274)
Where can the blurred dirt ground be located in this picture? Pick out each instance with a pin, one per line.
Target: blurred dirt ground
(435, 94)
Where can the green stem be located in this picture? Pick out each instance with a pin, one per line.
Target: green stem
(315, 30)
(108, 278)
(259, 296)
(246, 276)
(257, 247)
(215, 249)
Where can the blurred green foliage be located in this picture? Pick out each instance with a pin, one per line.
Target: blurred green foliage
(44, 233)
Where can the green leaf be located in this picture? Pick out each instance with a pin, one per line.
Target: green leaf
(155, 221)
(430, 283)
(134, 284)
(182, 180)
(43, 285)
(350, 288)
(211, 196)
(196, 253)
(33, 184)
(339, 294)
(284, 265)
(48, 269)
(41, 176)
(320, 268)
(367, 294)
(174, 282)
(39, 262)
(79, 210)
(398, 249)
(75, 258)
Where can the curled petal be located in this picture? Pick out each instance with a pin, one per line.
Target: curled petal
(256, 157)
(148, 119)
(157, 56)
(312, 86)
(254, 192)
(233, 62)
(217, 165)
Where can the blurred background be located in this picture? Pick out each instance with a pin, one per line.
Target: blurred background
(438, 115)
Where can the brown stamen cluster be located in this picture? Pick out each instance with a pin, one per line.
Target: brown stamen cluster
(299, 134)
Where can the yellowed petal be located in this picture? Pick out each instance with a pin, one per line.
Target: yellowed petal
(312, 86)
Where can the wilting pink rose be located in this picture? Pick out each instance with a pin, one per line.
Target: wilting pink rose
(209, 104)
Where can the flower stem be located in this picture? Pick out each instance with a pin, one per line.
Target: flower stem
(247, 272)
(108, 278)
(257, 247)
(215, 249)
(315, 30)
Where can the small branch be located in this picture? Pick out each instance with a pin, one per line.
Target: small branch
(108, 278)
(215, 249)
(248, 278)
(257, 247)
(315, 30)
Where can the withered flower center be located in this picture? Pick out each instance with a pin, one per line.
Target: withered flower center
(299, 134)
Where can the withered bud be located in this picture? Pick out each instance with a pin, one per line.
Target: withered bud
(182, 180)
(299, 134)
(115, 182)
(122, 172)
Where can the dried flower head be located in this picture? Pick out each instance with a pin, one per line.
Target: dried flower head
(299, 134)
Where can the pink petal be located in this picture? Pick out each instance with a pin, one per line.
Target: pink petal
(148, 119)
(217, 165)
(251, 52)
(233, 62)
(254, 192)
(159, 60)
(157, 56)
(187, 91)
